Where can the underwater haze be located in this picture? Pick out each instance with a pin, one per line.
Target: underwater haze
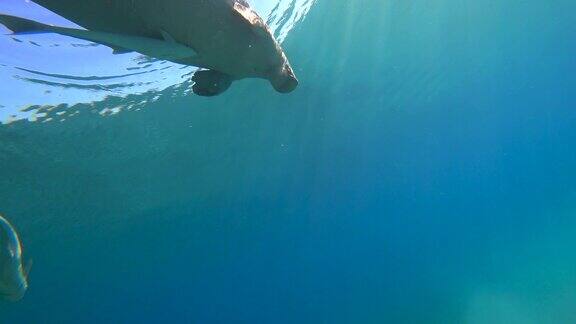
(424, 171)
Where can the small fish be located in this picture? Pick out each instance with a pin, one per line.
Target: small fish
(13, 277)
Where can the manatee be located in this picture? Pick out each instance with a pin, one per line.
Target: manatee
(13, 277)
(226, 38)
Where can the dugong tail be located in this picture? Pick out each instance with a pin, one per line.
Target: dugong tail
(22, 26)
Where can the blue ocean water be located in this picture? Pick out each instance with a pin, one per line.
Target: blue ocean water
(424, 171)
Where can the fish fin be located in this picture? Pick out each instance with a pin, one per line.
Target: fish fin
(27, 268)
(209, 83)
(23, 26)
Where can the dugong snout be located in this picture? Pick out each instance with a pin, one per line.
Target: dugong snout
(284, 81)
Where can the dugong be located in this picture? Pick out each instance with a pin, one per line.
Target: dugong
(13, 277)
(224, 37)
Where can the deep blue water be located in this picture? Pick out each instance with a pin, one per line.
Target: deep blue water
(423, 172)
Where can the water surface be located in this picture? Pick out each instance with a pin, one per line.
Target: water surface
(423, 172)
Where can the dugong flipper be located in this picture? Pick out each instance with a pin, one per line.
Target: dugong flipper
(225, 37)
(210, 83)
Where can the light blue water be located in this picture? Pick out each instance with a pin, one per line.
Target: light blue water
(423, 172)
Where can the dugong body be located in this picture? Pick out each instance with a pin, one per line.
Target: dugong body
(226, 37)
(13, 277)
